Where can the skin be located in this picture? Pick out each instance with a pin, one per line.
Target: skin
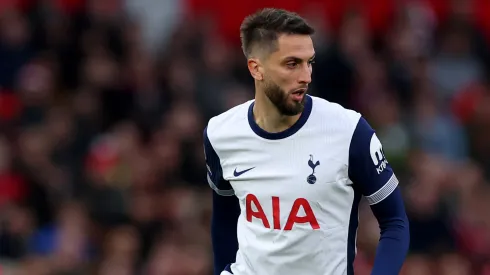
(277, 76)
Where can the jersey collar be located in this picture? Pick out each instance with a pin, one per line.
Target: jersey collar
(286, 133)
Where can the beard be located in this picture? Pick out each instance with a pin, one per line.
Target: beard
(280, 99)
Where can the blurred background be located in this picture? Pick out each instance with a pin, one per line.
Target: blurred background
(103, 103)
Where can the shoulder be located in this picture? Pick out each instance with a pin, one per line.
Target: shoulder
(228, 123)
(333, 116)
(350, 123)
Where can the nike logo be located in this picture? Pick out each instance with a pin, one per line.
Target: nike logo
(237, 174)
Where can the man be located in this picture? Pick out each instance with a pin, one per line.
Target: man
(289, 169)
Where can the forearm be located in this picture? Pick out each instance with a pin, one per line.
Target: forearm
(224, 230)
(395, 235)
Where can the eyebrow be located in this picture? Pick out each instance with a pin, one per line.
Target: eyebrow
(297, 59)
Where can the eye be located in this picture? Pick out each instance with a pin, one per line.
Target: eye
(292, 65)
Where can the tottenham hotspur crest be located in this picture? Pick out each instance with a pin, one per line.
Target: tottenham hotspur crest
(311, 179)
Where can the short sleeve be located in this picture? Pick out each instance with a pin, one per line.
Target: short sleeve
(369, 169)
(214, 170)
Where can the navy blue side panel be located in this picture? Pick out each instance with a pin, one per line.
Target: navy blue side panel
(353, 225)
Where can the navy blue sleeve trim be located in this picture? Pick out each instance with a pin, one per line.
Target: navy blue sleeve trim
(226, 211)
(369, 169)
(214, 170)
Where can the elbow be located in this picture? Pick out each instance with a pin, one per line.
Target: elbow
(398, 229)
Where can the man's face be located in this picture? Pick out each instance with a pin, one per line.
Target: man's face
(287, 73)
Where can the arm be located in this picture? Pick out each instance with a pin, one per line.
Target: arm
(374, 178)
(225, 211)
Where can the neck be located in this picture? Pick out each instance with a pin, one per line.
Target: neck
(268, 117)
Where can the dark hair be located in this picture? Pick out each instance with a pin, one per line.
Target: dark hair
(263, 28)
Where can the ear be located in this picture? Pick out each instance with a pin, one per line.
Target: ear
(255, 68)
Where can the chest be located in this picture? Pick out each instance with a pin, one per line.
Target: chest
(308, 167)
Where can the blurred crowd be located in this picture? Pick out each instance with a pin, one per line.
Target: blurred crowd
(103, 103)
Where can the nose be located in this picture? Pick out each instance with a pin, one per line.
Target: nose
(305, 75)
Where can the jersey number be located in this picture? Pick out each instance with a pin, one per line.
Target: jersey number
(293, 217)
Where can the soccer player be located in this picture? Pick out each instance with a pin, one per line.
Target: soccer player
(289, 169)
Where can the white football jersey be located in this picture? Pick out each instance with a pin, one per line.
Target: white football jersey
(298, 190)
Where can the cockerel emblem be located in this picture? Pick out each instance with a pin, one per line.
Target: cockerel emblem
(311, 179)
